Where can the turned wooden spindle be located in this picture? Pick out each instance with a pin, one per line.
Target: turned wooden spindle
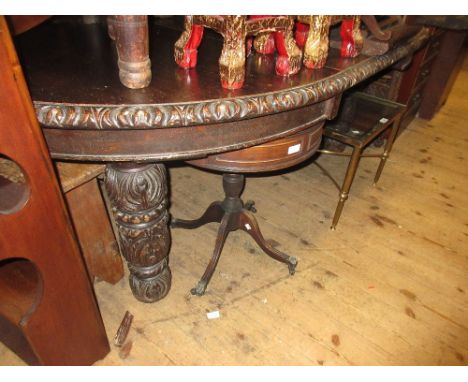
(130, 34)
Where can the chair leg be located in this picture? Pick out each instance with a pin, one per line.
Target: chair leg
(316, 44)
(223, 231)
(248, 223)
(348, 181)
(264, 43)
(232, 59)
(387, 149)
(213, 214)
(301, 32)
(351, 36)
(131, 39)
(289, 57)
(186, 47)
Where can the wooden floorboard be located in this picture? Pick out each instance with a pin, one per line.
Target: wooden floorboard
(388, 287)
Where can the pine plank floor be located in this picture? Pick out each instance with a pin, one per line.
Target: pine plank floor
(388, 287)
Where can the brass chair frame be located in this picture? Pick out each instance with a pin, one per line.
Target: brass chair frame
(386, 115)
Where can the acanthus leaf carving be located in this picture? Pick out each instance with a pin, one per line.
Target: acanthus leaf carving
(138, 196)
(71, 116)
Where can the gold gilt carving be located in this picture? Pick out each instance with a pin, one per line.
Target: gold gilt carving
(232, 59)
(152, 116)
(357, 35)
(316, 46)
(235, 30)
(183, 39)
(264, 43)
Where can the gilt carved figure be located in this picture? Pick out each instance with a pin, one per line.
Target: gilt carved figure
(312, 34)
(236, 46)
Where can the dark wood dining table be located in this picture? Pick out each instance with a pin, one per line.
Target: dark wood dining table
(88, 115)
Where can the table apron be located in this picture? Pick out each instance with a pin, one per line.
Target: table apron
(182, 143)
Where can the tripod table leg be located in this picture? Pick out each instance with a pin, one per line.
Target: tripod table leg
(213, 214)
(223, 232)
(249, 224)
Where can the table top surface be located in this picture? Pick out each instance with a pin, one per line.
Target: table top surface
(72, 73)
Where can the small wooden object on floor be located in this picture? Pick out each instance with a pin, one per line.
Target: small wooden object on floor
(123, 330)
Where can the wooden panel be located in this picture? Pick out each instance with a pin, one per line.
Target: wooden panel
(73, 175)
(94, 232)
(20, 24)
(62, 324)
(275, 155)
(409, 79)
(87, 207)
(20, 286)
(433, 47)
(444, 71)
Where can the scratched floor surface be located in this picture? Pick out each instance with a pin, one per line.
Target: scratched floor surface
(388, 287)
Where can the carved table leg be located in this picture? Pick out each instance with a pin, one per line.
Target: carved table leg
(351, 36)
(131, 38)
(264, 42)
(138, 195)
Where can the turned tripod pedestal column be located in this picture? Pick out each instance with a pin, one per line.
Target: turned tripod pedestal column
(233, 214)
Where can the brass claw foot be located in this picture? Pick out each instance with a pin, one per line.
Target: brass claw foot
(292, 263)
(200, 289)
(250, 205)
